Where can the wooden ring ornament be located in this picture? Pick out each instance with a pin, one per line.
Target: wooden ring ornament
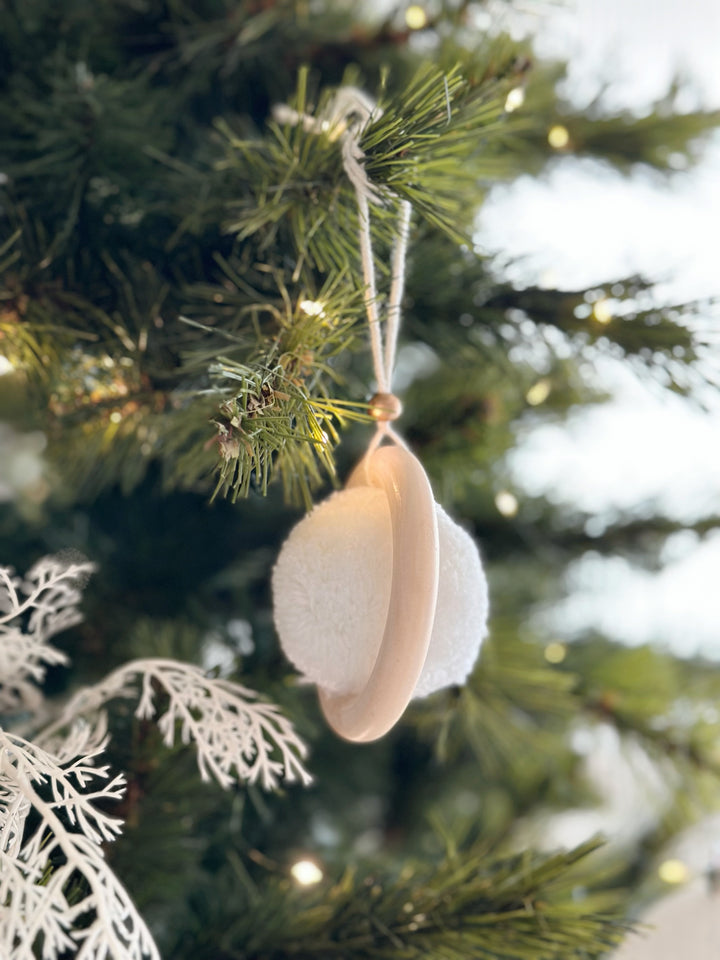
(370, 713)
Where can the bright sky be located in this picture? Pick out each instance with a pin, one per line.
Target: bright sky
(633, 47)
(592, 220)
(582, 224)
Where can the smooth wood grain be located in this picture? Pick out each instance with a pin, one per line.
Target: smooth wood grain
(369, 714)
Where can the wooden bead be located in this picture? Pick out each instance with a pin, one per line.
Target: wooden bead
(385, 406)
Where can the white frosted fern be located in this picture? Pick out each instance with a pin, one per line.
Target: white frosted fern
(57, 894)
(57, 890)
(31, 611)
(237, 737)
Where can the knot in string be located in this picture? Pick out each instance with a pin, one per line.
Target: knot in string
(345, 118)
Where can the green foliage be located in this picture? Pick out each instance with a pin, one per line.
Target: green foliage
(273, 423)
(181, 297)
(660, 137)
(434, 145)
(277, 414)
(642, 692)
(426, 146)
(116, 234)
(465, 905)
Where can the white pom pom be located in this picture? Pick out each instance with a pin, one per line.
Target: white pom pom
(462, 609)
(331, 590)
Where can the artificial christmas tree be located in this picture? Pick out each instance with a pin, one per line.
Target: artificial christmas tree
(182, 321)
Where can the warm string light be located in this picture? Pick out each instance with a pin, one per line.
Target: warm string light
(555, 652)
(312, 308)
(558, 137)
(602, 311)
(514, 99)
(415, 17)
(673, 872)
(506, 503)
(539, 392)
(306, 873)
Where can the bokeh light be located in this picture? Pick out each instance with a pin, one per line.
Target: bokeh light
(673, 871)
(506, 503)
(306, 873)
(558, 137)
(416, 17)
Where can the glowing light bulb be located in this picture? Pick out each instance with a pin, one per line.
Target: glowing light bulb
(312, 308)
(506, 503)
(5, 366)
(558, 137)
(306, 873)
(416, 17)
(115, 416)
(601, 311)
(555, 652)
(539, 392)
(514, 99)
(673, 871)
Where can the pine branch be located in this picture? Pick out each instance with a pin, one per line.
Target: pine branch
(663, 139)
(644, 694)
(513, 705)
(274, 424)
(75, 143)
(295, 192)
(465, 905)
(276, 414)
(486, 318)
(433, 143)
(420, 149)
(516, 705)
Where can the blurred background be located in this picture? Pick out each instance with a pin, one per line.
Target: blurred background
(643, 451)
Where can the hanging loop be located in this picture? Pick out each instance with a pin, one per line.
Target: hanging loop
(345, 118)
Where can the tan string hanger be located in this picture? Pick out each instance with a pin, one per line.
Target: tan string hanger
(378, 595)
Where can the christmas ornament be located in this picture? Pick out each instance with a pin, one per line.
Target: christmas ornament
(378, 595)
(684, 924)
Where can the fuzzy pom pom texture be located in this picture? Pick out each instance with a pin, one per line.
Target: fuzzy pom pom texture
(331, 591)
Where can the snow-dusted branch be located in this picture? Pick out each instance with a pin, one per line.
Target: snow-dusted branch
(42, 906)
(58, 896)
(236, 735)
(31, 611)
